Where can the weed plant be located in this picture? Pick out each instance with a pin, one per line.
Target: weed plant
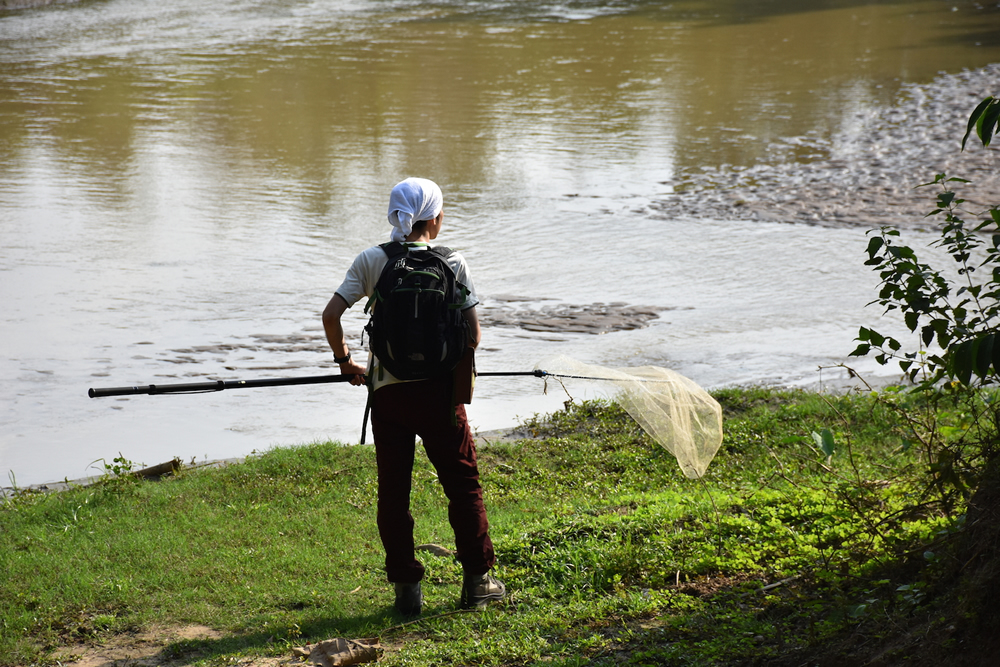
(812, 518)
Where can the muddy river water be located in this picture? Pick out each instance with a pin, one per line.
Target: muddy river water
(682, 184)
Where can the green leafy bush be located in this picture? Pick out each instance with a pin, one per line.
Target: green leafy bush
(955, 313)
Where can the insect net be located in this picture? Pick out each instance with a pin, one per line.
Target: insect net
(676, 412)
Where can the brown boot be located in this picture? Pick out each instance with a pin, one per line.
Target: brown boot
(480, 589)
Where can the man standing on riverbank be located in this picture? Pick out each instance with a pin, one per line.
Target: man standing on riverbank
(402, 410)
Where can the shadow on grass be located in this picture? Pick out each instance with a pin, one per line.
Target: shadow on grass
(266, 643)
(311, 629)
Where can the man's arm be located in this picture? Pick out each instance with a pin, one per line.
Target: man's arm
(335, 337)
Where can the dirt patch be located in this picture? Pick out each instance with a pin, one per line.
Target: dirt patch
(146, 648)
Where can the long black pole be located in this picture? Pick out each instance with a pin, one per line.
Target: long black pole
(216, 385)
(219, 385)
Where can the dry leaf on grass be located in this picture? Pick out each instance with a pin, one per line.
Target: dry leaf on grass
(340, 652)
(435, 549)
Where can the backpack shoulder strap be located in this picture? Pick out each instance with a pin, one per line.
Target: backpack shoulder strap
(462, 291)
(441, 251)
(394, 249)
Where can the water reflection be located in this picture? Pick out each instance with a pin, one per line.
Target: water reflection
(710, 82)
(176, 176)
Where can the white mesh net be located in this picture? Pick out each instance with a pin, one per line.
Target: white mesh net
(672, 409)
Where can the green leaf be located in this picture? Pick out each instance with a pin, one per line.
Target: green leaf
(945, 199)
(861, 350)
(912, 319)
(824, 440)
(938, 178)
(961, 362)
(974, 119)
(984, 355)
(987, 124)
(996, 359)
(941, 328)
(927, 334)
(874, 245)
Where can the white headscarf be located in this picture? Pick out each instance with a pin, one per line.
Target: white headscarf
(412, 200)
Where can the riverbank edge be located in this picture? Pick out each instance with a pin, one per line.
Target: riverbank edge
(837, 386)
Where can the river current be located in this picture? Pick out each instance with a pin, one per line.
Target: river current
(182, 187)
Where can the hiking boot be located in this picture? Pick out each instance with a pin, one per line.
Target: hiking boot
(479, 589)
(409, 599)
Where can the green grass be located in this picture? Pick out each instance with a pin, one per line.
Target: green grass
(610, 555)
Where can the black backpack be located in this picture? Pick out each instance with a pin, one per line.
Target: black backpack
(416, 329)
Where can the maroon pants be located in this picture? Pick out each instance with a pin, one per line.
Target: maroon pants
(400, 412)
